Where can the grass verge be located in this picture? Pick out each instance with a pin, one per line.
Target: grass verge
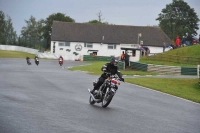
(184, 88)
(14, 54)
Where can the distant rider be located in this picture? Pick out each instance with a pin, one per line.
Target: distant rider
(36, 56)
(108, 69)
(28, 60)
(61, 58)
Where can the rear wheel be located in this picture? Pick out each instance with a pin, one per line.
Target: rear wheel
(91, 101)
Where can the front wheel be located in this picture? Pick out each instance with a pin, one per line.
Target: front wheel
(91, 101)
(106, 100)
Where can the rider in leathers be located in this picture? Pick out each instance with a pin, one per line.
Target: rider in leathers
(108, 69)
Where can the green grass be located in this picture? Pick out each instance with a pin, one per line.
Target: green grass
(184, 88)
(95, 69)
(189, 51)
(14, 54)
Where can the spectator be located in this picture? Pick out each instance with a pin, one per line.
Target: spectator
(194, 42)
(199, 38)
(183, 43)
(126, 59)
(177, 42)
(122, 56)
(164, 46)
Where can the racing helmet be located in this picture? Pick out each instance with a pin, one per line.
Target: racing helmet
(114, 61)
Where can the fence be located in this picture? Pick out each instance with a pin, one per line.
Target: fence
(96, 58)
(174, 59)
(161, 69)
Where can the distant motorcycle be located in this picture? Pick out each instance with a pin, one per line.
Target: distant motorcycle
(37, 61)
(28, 61)
(106, 91)
(60, 61)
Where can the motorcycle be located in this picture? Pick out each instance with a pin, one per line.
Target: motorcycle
(60, 62)
(28, 62)
(106, 91)
(37, 61)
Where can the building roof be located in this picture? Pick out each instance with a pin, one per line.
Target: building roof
(108, 34)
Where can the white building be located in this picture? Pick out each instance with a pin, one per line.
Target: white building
(73, 40)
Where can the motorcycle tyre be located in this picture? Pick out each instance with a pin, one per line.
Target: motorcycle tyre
(91, 101)
(107, 103)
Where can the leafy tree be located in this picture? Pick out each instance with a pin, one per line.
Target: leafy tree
(10, 35)
(178, 19)
(2, 26)
(32, 33)
(97, 22)
(7, 33)
(48, 24)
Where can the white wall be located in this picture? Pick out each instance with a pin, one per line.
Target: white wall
(29, 50)
(155, 50)
(18, 48)
(102, 50)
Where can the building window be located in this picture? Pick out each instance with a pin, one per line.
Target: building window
(112, 46)
(88, 45)
(67, 44)
(64, 44)
(61, 48)
(61, 44)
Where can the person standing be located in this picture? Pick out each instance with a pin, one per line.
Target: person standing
(199, 38)
(183, 41)
(177, 42)
(126, 57)
(164, 46)
(122, 56)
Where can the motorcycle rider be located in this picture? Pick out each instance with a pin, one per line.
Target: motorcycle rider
(60, 58)
(28, 60)
(36, 56)
(108, 69)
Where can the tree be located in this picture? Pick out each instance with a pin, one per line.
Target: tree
(48, 24)
(10, 35)
(7, 33)
(99, 21)
(178, 19)
(2, 27)
(32, 33)
(96, 22)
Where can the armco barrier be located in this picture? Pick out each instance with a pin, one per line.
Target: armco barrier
(96, 58)
(121, 65)
(161, 69)
(138, 66)
(188, 71)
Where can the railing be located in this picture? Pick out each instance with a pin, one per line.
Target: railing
(175, 59)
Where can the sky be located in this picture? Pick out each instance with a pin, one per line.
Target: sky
(118, 12)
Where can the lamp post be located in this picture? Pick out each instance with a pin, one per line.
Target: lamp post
(139, 35)
(173, 33)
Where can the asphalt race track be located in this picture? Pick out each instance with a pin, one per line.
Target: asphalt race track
(51, 99)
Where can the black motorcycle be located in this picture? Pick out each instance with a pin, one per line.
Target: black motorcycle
(28, 62)
(37, 61)
(106, 91)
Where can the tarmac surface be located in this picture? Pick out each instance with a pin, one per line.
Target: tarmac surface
(51, 99)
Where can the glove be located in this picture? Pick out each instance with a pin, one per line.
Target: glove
(108, 74)
(122, 79)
